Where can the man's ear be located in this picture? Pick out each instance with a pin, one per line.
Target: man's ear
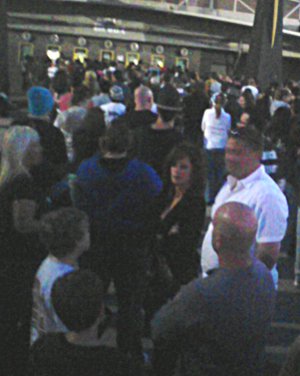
(216, 242)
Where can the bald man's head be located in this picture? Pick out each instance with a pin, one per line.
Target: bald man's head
(234, 231)
(143, 98)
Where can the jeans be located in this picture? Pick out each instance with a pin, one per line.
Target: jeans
(215, 171)
(123, 260)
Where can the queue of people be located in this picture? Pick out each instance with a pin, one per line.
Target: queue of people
(107, 178)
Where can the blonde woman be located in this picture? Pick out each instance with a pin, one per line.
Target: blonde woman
(21, 202)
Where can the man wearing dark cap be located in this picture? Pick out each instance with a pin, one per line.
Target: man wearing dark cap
(217, 326)
(153, 143)
(250, 184)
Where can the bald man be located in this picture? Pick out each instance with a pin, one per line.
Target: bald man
(142, 115)
(218, 325)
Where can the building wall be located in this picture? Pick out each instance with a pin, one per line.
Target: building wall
(94, 46)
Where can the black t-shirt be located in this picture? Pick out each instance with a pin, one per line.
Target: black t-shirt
(52, 141)
(15, 245)
(153, 145)
(137, 119)
(53, 355)
(55, 157)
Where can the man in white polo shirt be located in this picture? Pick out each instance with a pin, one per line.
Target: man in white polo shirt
(248, 183)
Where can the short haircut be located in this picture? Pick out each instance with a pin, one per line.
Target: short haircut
(250, 136)
(143, 95)
(116, 139)
(77, 298)
(118, 75)
(61, 230)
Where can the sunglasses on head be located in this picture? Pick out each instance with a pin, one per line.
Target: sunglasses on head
(249, 134)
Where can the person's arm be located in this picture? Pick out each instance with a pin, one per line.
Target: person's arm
(229, 123)
(186, 221)
(24, 211)
(204, 121)
(174, 319)
(268, 253)
(272, 213)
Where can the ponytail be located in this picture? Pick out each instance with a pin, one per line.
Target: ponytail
(219, 101)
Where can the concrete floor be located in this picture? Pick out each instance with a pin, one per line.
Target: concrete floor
(285, 326)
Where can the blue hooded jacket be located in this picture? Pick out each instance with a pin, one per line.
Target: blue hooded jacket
(116, 194)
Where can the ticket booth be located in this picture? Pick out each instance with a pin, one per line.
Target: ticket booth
(53, 52)
(182, 62)
(121, 58)
(81, 54)
(158, 61)
(132, 57)
(107, 56)
(26, 50)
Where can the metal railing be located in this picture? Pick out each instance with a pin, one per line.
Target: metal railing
(295, 9)
(291, 7)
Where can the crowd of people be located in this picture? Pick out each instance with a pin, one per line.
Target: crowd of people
(107, 177)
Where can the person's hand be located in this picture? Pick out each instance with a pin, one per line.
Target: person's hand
(174, 230)
(282, 184)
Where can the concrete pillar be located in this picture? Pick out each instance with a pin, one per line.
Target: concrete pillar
(297, 263)
(4, 82)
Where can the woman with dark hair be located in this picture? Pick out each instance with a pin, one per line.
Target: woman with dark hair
(247, 101)
(181, 212)
(280, 126)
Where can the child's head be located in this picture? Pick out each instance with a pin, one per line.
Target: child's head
(65, 232)
(77, 298)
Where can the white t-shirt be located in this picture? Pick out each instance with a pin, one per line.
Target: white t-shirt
(261, 193)
(44, 318)
(215, 129)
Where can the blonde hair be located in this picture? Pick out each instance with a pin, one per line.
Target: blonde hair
(90, 81)
(15, 145)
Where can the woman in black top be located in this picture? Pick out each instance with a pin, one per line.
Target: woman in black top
(181, 211)
(21, 203)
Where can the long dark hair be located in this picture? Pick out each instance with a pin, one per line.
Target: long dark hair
(219, 103)
(181, 151)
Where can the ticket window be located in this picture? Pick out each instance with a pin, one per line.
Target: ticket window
(182, 62)
(80, 54)
(220, 68)
(107, 56)
(26, 50)
(121, 58)
(158, 61)
(53, 52)
(132, 57)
